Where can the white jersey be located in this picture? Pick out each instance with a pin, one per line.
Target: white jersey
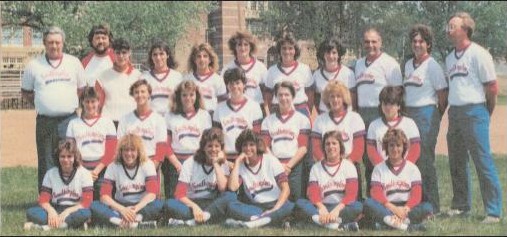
(350, 125)
(332, 179)
(211, 87)
(284, 133)
(378, 128)
(255, 73)
(236, 118)
(260, 183)
(96, 66)
(186, 131)
(116, 86)
(396, 184)
(130, 183)
(163, 86)
(200, 179)
(67, 192)
(90, 136)
(323, 77)
(300, 75)
(468, 73)
(151, 129)
(372, 78)
(55, 84)
(422, 82)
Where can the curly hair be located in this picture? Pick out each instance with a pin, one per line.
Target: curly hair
(248, 135)
(137, 84)
(209, 135)
(238, 37)
(288, 38)
(196, 49)
(339, 88)
(234, 74)
(131, 141)
(328, 45)
(184, 86)
(425, 32)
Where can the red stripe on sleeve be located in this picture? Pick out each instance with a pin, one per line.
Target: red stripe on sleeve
(414, 151)
(160, 151)
(87, 59)
(351, 188)
(106, 188)
(373, 154)
(181, 190)
(152, 186)
(357, 149)
(415, 196)
(87, 199)
(169, 143)
(377, 193)
(44, 197)
(314, 192)
(102, 94)
(492, 87)
(109, 151)
(267, 139)
(302, 140)
(318, 155)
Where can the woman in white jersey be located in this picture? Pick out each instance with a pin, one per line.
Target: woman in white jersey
(66, 192)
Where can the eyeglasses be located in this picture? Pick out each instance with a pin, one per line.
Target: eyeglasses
(451, 27)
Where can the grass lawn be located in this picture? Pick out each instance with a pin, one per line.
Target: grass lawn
(18, 192)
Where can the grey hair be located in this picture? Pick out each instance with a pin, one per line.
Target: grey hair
(53, 30)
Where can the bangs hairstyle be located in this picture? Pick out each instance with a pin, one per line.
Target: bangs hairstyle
(468, 22)
(209, 135)
(128, 141)
(285, 84)
(249, 136)
(137, 84)
(395, 136)
(425, 32)
(89, 92)
(213, 64)
(102, 29)
(338, 136)
(70, 146)
(339, 88)
(159, 44)
(120, 44)
(238, 37)
(288, 38)
(392, 95)
(234, 74)
(327, 46)
(184, 86)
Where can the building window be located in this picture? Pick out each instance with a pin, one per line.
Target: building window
(36, 38)
(12, 35)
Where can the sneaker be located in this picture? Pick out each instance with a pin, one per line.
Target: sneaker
(192, 222)
(85, 226)
(257, 223)
(28, 225)
(233, 223)
(351, 226)
(490, 220)
(175, 222)
(32, 226)
(286, 225)
(457, 213)
(148, 225)
(417, 227)
(331, 226)
(395, 222)
(132, 225)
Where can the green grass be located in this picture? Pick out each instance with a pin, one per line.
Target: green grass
(18, 193)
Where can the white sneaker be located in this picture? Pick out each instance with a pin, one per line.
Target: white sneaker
(332, 226)
(395, 222)
(85, 226)
(192, 222)
(31, 225)
(175, 222)
(490, 220)
(233, 223)
(133, 225)
(257, 223)
(148, 225)
(115, 221)
(28, 225)
(457, 213)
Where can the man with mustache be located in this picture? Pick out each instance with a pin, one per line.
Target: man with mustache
(102, 56)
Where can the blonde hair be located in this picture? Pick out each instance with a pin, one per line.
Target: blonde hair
(213, 57)
(336, 87)
(468, 22)
(131, 140)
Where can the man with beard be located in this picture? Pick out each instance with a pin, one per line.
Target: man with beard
(102, 56)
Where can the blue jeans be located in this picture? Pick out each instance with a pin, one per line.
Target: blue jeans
(376, 211)
(349, 214)
(468, 135)
(39, 216)
(217, 208)
(243, 211)
(102, 213)
(428, 120)
(295, 182)
(48, 132)
(368, 114)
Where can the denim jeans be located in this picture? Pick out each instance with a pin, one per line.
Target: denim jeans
(468, 136)
(244, 211)
(76, 219)
(376, 211)
(368, 114)
(217, 208)
(102, 213)
(348, 214)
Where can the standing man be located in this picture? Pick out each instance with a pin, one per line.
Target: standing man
(472, 97)
(53, 82)
(373, 72)
(102, 56)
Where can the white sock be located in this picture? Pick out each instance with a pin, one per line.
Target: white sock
(115, 220)
(332, 226)
(257, 223)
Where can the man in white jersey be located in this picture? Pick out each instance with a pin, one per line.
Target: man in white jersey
(53, 82)
(102, 56)
(472, 97)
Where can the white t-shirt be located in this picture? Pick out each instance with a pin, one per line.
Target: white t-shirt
(255, 73)
(300, 75)
(332, 179)
(422, 82)
(323, 77)
(151, 129)
(96, 66)
(186, 131)
(211, 87)
(68, 192)
(201, 179)
(396, 184)
(163, 86)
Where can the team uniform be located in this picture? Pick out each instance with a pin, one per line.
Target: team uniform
(131, 186)
(400, 186)
(115, 88)
(64, 192)
(198, 182)
(211, 87)
(184, 133)
(255, 72)
(233, 119)
(261, 187)
(163, 86)
(55, 84)
(322, 77)
(301, 77)
(469, 119)
(421, 84)
(94, 65)
(332, 185)
(285, 134)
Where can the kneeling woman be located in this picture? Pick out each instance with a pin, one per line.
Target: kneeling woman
(264, 183)
(200, 192)
(66, 193)
(332, 188)
(134, 176)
